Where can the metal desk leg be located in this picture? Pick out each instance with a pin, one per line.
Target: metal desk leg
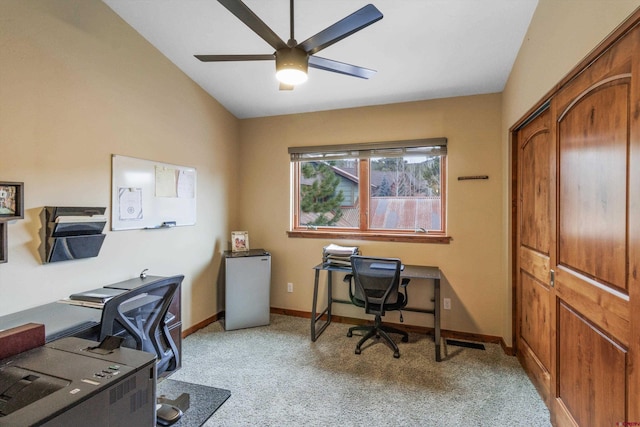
(436, 316)
(315, 317)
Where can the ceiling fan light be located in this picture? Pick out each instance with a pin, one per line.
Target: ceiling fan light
(291, 66)
(291, 76)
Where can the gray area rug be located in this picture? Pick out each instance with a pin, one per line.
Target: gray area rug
(203, 400)
(279, 377)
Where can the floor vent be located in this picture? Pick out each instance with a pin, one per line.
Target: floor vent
(467, 344)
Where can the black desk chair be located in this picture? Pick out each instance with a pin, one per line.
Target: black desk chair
(377, 283)
(140, 317)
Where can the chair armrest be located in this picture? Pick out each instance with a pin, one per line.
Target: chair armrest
(347, 279)
(405, 281)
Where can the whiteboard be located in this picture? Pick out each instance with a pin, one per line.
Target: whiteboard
(147, 195)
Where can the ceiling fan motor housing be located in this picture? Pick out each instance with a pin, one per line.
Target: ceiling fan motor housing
(291, 61)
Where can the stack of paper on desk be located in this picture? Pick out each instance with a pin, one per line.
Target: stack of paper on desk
(98, 296)
(339, 256)
(95, 298)
(341, 250)
(89, 304)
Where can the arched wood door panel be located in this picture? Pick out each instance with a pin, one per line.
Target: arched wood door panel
(593, 145)
(535, 186)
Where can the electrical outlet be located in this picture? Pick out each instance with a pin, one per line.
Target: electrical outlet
(289, 287)
(446, 302)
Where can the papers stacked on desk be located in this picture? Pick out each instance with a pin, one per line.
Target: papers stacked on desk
(338, 256)
(89, 304)
(95, 298)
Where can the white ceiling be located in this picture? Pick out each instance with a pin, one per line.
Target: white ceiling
(422, 49)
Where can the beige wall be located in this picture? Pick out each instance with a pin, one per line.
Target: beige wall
(471, 262)
(77, 84)
(561, 34)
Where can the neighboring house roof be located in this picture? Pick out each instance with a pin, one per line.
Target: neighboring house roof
(410, 213)
(344, 173)
(376, 177)
(405, 213)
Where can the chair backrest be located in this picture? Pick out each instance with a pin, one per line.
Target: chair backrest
(139, 316)
(376, 281)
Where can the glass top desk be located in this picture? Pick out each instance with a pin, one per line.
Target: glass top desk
(409, 271)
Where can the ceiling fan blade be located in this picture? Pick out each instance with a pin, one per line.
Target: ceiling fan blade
(219, 58)
(341, 29)
(285, 87)
(340, 67)
(251, 20)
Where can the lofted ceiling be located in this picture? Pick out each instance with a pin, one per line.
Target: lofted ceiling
(421, 49)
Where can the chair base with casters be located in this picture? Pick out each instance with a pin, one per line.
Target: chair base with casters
(379, 330)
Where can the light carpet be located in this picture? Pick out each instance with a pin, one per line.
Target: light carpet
(279, 377)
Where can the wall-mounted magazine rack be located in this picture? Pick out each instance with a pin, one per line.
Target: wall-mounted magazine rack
(73, 232)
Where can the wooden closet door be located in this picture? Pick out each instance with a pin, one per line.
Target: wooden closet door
(596, 128)
(533, 292)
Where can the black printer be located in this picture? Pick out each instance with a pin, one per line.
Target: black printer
(76, 382)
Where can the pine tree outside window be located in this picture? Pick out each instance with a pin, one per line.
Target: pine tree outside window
(320, 198)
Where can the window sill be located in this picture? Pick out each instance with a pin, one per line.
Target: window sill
(383, 237)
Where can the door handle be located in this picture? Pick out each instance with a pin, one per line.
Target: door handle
(552, 279)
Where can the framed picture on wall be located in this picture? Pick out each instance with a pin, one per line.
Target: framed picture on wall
(11, 201)
(239, 241)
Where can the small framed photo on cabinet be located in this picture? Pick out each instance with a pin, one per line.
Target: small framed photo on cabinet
(239, 241)
(11, 201)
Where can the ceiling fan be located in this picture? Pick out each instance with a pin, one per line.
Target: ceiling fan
(293, 58)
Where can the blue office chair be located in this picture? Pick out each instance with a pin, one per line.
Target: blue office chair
(140, 316)
(375, 285)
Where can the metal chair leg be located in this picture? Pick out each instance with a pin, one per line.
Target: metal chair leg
(358, 328)
(369, 334)
(396, 351)
(389, 329)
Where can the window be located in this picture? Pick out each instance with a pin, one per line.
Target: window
(381, 191)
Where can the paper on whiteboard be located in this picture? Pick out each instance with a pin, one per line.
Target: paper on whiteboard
(165, 182)
(129, 203)
(186, 184)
